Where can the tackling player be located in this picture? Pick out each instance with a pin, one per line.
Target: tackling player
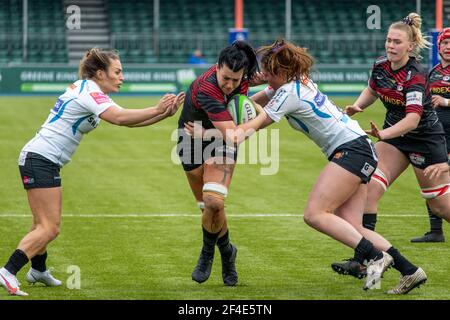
(336, 203)
(76, 112)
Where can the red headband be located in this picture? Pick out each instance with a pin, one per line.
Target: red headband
(445, 34)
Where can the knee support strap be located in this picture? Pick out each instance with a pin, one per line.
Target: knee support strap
(434, 192)
(215, 189)
(381, 178)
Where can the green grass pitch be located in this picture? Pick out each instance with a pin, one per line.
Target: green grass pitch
(120, 179)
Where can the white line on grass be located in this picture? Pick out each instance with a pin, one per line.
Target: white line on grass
(170, 215)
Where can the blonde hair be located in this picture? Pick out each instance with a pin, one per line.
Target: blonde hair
(285, 57)
(96, 59)
(412, 24)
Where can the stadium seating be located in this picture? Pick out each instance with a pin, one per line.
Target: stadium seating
(334, 31)
(46, 32)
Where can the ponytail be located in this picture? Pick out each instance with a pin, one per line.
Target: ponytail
(412, 24)
(95, 59)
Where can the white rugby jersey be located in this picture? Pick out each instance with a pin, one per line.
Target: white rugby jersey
(310, 111)
(75, 113)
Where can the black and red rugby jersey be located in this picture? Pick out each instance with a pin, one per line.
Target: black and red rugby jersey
(403, 91)
(206, 102)
(439, 81)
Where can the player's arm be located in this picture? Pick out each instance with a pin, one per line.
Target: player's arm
(129, 117)
(408, 123)
(238, 134)
(260, 98)
(365, 99)
(168, 113)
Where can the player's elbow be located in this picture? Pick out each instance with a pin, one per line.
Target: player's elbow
(413, 120)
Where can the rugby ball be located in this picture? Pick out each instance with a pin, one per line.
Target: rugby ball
(241, 109)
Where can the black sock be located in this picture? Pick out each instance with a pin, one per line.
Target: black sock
(16, 262)
(435, 221)
(209, 242)
(366, 251)
(401, 263)
(224, 244)
(38, 262)
(370, 220)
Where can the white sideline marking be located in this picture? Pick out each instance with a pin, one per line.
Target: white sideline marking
(170, 215)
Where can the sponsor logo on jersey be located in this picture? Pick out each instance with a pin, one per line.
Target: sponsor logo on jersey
(417, 158)
(99, 97)
(408, 77)
(72, 86)
(414, 97)
(440, 90)
(393, 101)
(367, 170)
(28, 180)
(446, 78)
(58, 105)
(319, 99)
(338, 155)
(399, 87)
(277, 98)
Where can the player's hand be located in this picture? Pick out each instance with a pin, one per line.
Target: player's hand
(177, 103)
(194, 129)
(258, 107)
(165, 102)
(257, 79)
(351, 110)
(374, 131)
(435, 170)
(438, 101)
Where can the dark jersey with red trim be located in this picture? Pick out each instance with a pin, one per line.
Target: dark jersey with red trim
(206, 102)
(403, 91)
(439, 80)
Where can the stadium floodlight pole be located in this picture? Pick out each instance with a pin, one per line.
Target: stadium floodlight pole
(288, 19)
(156, 27)
(25, 30)
(238, 14)
(434, 54)
(238, 32)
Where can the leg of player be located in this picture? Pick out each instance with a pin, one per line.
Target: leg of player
(45, 204)
(351, 212)
(436, 233)
(391, 163)
(217, 177)
(202, 270)
(436, 191)
(334, 187)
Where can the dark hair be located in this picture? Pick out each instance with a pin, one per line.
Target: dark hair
(96, 59)
(284, 56)
(239, 55)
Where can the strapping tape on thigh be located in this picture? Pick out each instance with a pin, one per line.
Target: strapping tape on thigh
(215, 188)
(381, 178)
(432, 193)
